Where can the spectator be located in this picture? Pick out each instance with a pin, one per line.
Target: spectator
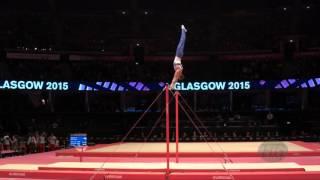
(14, 143)
(32, 144)
(55, 125)
(22, 145)
(57, 144)
(6, 142)
(42, 142)
(194, 136)
(184, 136)
(36, 134)
(1, 144)
(52, 142)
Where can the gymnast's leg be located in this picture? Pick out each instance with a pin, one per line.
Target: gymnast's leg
(182, 41)
(177, 65)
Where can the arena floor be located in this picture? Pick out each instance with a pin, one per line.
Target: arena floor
(303, 162)
(196, 147)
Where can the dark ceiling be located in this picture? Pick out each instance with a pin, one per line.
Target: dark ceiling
(115, 24)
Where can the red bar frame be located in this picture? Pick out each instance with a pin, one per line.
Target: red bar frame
(177, 125)
(167, 129)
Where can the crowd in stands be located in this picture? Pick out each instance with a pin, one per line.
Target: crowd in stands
(230, 136)
(159, 71)
(33, 143)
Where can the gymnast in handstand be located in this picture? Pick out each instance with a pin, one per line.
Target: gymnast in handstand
(177, 66)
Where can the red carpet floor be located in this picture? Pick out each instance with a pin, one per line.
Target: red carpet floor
(50, 157)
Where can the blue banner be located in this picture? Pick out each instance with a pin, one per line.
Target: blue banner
(112, 86)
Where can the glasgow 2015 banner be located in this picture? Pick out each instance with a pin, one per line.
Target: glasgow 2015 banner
(158, 86)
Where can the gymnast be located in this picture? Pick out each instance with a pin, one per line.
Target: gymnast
(177, 66)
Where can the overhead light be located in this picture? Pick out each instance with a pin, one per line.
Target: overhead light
(43, 101)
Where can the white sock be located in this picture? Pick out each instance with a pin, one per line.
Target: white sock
(183, 28)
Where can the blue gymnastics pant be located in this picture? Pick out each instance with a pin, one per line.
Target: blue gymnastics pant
(182, 41)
